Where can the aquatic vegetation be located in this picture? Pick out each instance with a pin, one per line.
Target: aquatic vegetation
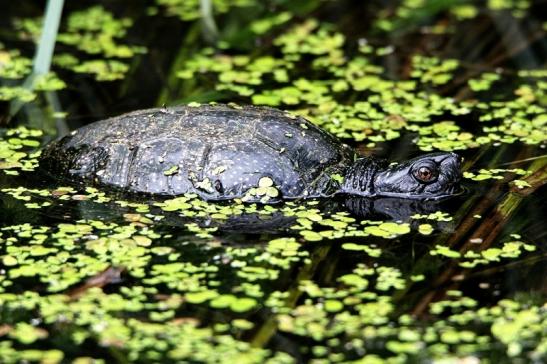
(22, 94)
(228, 279)
(88, 275)
(18, 150)
(496, 173)
(95, 32)
(385, 107)
(89, 247)
(189, 9)
(12, 64)
(48, 82)
(517, 7)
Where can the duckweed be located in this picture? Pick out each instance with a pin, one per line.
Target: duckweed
(89, 276)
(93, 31)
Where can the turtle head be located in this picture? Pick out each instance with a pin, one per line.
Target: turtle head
(431, 176)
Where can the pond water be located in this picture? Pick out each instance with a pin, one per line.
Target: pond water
(92, 276)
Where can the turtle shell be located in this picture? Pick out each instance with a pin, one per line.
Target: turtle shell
(217, 151)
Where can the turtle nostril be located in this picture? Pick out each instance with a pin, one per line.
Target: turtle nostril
(218, 186)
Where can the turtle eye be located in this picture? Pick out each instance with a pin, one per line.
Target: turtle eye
(425, 174)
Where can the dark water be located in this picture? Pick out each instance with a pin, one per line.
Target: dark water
(417, 300)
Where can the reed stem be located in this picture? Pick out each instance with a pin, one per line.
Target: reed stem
(46, 44)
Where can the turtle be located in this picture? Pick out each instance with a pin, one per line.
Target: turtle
(225, 152)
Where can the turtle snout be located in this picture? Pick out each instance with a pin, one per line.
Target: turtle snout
(451, 170)
(451, 167)
(453, 158)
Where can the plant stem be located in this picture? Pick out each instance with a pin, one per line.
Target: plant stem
(44, 52)
(210, 30)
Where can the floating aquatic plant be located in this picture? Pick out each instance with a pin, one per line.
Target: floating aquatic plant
(152, 281)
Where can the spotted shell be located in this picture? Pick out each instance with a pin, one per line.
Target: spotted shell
(217, 151)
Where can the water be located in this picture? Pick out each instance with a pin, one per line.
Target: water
(89, 273)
